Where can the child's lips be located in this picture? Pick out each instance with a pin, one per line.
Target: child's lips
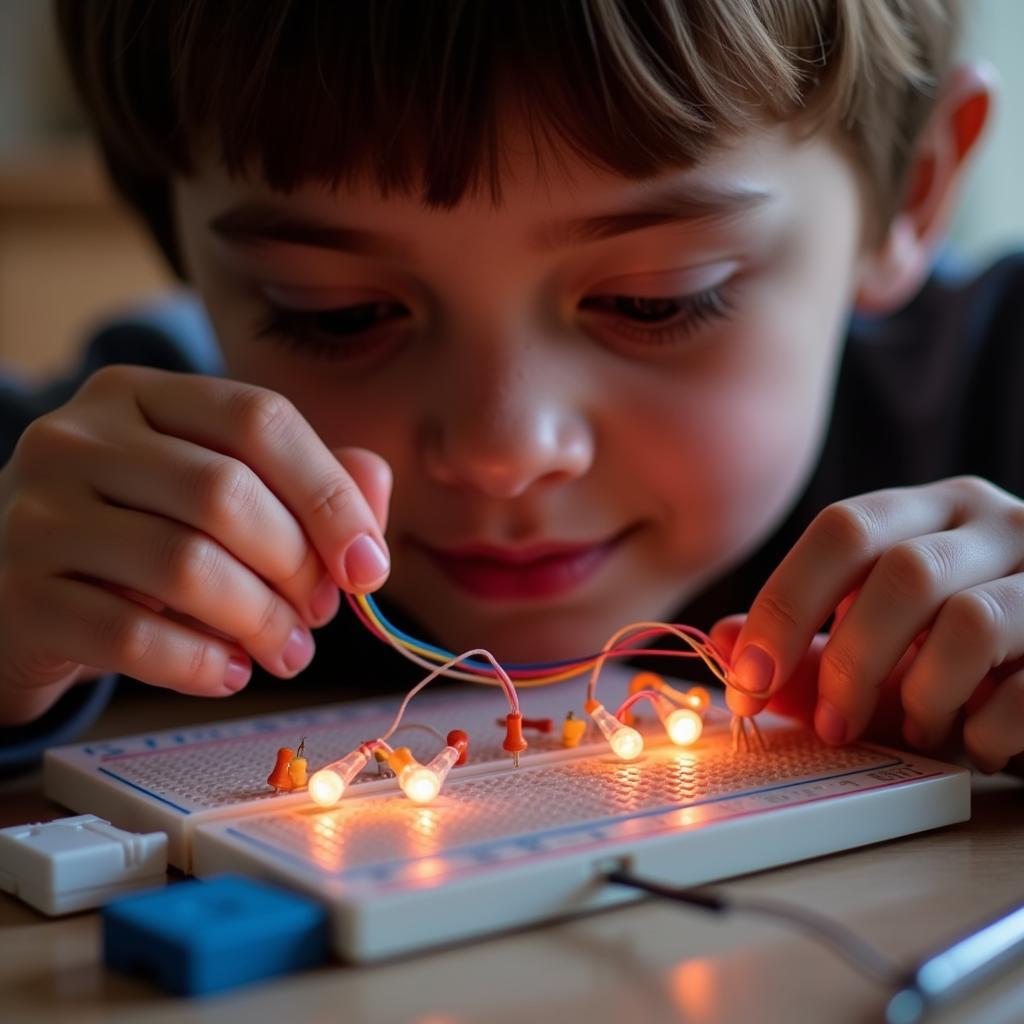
(539, 570)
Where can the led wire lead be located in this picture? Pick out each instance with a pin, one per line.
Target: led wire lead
(426, 655)
(506, 683)
(423, 727)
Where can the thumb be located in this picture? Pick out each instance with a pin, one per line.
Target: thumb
(723, 636)
(372, 475)
(796, 698)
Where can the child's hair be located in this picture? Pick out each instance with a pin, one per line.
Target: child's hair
(410, 93)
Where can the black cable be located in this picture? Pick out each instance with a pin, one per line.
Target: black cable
(853, 949)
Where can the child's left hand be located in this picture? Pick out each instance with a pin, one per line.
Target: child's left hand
(928, 595)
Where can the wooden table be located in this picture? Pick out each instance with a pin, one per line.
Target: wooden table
(647, 962)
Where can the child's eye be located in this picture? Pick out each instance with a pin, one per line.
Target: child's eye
(662, 320)
(333, 333)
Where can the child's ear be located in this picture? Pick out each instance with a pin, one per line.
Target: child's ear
(893, 271)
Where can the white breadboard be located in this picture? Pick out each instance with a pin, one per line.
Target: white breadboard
(500, 847)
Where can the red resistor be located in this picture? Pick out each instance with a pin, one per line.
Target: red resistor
(540, 724)
(514, 742)
(460, 741)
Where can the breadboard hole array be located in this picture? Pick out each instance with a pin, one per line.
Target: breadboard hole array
(512, 804)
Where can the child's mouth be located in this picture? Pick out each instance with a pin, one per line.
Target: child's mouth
(527, 573)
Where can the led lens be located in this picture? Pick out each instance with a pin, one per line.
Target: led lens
(327, 786)
(420, 784)
(627, 743)
(624, 740)
(683, 726)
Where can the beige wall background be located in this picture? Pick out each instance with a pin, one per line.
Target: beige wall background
(69, 255)
(991, 216)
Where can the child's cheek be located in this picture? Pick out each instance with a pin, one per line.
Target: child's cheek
(748, 439)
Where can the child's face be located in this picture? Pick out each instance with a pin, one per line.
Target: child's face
(647, 393)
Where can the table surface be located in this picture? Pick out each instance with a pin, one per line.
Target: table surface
(649, 962)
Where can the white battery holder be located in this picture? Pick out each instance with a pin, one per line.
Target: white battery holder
(77, 863)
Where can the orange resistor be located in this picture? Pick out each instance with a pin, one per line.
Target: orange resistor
(279, 777)
(297, 768)
(573, 729)
(400, 758)
(514, 742)
(460, 741)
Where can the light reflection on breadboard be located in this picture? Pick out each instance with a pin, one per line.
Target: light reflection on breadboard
(226, 772)
(386, 830)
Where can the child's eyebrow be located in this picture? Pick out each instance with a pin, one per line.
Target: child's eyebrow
(256, 223)
(674, 204)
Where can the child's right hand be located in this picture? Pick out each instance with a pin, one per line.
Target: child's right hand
(172, 527)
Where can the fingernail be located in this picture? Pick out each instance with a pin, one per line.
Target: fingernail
(754, 669)
(237, 673)
(298, 652)
(325, 601)
(365, 562)
(914, 734)
(830, 724)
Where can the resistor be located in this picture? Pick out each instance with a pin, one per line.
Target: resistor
(514, 742)
(279, 777)
(460, 741)
(380, 755)
(573, 729)
(297, 767)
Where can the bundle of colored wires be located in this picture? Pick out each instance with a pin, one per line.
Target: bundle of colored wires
(624, 643)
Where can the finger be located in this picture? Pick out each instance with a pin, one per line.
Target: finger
(904, 591)
(831, 558)
(266, 432)
(224, 498)
(723, 634)
(976, 631)
(995, 732)
(100, 628)
(186, 570)
(372, 476)
(798, 695)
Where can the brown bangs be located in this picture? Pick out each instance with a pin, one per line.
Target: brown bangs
(412, 93)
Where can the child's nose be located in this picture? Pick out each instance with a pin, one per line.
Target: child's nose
(507, 427)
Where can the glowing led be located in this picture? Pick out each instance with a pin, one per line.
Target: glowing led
(683, 726)
(623, 739)
(327, 785)
(421, 783)
(325, 788)
(627, 743)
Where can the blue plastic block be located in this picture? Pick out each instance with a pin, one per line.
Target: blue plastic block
(207, 935)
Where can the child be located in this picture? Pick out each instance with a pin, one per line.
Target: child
(539, 313)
